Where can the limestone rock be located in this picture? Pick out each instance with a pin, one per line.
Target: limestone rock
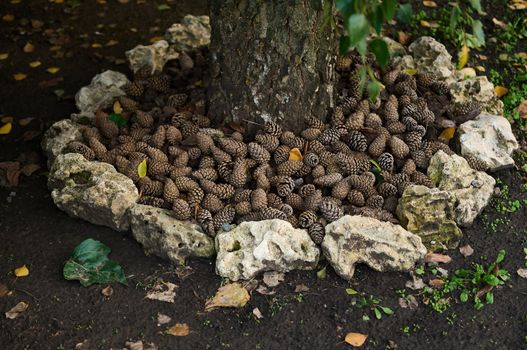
(395, 48)
(153, 56)
(92, 191)
(477, 89)
(163, 235)
(430, 56)
(101, 92)
(472, 189)
(57, 138)
(429, 213)
(192, 33)
(381, 245)
(489, 138)
(258, 246)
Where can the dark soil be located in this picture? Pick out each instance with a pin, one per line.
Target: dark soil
(62, 313)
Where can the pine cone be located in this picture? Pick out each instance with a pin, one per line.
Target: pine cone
(421, 159)
(307, 190)
(173, 135)
(348, 105)
(419, 178)
(97, 147)
(295, 201)
(181, 209)
(399, 149)
(170, 191)
(81, 148)
(271, 213)
(212, 203)
(238, 177)
(476, 163)
(194, 197)
(337, 118)
(377, 146)
(185, 184)
(408, 167)
(425, 80)
(440, 87)
(207, 162)
(328, 180)
(307, 218)
(176, 100)
(311, 134)
(373, 121)
(329, 136)
(312, 202)
(317, 233)
(315, 123)
(465, 111)
(152, 201)
(159, 82)
(273, 200)
(289, 167)
(133, 89)
(258, 199)
(311, 159)
(356, 198)
(176, 172)
(267, 141)
(386, 162)
(220, 156)
(318, 171)
(330, 211)
(224, 216)
(157, 168)
(233, 147)
(357, 141)
(375, 202)
(258, 153)
(272, 129)
(284, 185)
(355, 121)
(223, 191)
(206, 173)
(243, 208)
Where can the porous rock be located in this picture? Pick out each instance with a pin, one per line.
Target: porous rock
(381, 245)
(429, 213)
(58, 136)
(153, 56)
(472, 189)
(430, 56)
(193, 32)
(257, 246)
(477, 89)
(395, 48)
(489, 138)
(166, 237)
(92, 191)
(101, 92)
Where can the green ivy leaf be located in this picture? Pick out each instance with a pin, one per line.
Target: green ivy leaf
(118, 119)
(405, 13)
(376, 17)
(388, 8)
(90, 264)
(358, 28)
(380, 49)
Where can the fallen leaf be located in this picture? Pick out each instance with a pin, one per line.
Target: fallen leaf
(8, 18)
(28, 47)
(273, 278)
(107, 291)
(6, 128)
(410, 302)
(410, 71)
(25, 121)
(429, 3)
(415, 284)
(257, 313)
(263, 290)
(53, 70)
(11, 172)
(429, 24)
(500, 90)
(3, 290)
(437, 258)
(29, 169)
(448, 133)
(436, 283)
(51, 82)
(466, 250)
(402, 37)
(522, 109)
(480, 69)
(178, 330)
(7, 119)
(30, 135)
(230, 295)
(522, 273)
(165, 291)
(117, 107)
(19, 76)
(355, 339)
(96, 46)
(156, 39)
(16, 310)
(499, 23)
(300, 288)
(4, 56)
(22, 271)
(463, 57)
(442, 271)
(35, 64)
(163, 319)
(111, 43)
(295, 154)
(141, 169)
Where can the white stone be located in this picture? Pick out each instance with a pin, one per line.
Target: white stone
(192, 33)
(92, 191)
(394, 48)
(258, 246)
(490, 139)
(101, 92)
(477, 89)
(472, 189)
(57, 138)
(466, 73)
(166, 237)
(430, 56)
(153, 56)
(382, 246)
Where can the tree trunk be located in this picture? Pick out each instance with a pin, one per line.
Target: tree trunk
(272, 60)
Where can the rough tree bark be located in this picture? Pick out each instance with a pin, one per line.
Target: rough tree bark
(272, 60)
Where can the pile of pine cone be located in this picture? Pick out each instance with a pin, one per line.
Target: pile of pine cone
(360, 162)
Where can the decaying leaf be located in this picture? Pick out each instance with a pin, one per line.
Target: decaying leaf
(117, 107)
(437, 258)
(355, 339)
(22, 271)
(522, 109)
(416, 283)
(29, 169)
(295, 154)
(499, 23)
(448, 133)
(52, 70)
(165, 291)
(19, 76)
(4, 56)
(429, 3)
(10, 172)
(522, 273)
(35, 64)
(16, 310)
(436, 283)
(410, 302)
(466, 250)
(300, 288)
(28, 48)
(138, 345)
(178, 330)
(463, 57)
(163, 319)
(230, 295)
(3, 290)
(6, 128)
(273, 278)
(257, 313)
(429, 24)
(500, 90)
(263, 290)
(141, 169)
(402, 37)
(107, 291)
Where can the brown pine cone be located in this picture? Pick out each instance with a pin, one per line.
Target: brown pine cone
(157, 168)
(355, 121)
(170, 191)
(273, 200)
(476, 163)
(375, 202)
(152, 201)
(271, 213)
(176, 172)
(440, 87)
(289, 167)
(399, 149)
(377, 146)
(362, 182)
(181, 209)
(81, 148)
(328, 180)
(89, 132)
(364, 107)
(220, 156)
(386, 162)
(307, 218)
(357, 141)
(204, 217)
(419, 178)
(206, 173)
(311, 159)
(421, 159)
(224, 216)
(233, 147)
(258, 199)
(315, 123)
(311, 134)
(464, 111)
(159, 82)
(425, 80)
(194, 197)
(272, 129)
(258, 153)
(207, 162)
(177, 100)
(341, 147)
(212, 203)
(128, 104)
(337, 118)
(97, 147)
(317, 233)
(329, 136)
(284, 185)
(185, 184)
(188, 129)
(225, 170)
(295, 201)
(318, 171)
(307, 190)
(356, 198)
(408, 167)
(243, 208)
(269, 142)
(223, 191)
(238, 176)
(133, 89)
(390, 203)
(330, 211)
(348, 105)
(386, 189)
(373, 120)
(281, 154)
(312, 202)
(341, 189)
(144, 119)
(151, 187)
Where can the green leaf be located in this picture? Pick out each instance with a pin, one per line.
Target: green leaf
(463, 296)
(380, 50)
(351, 291)
(362, 47)
(489, 298)
(378, 314)
(345, 7)
(405, 13)
(141, 169)
(118, 119)
(374, 88)
(491, 280)
(344, 45)
(358, 28)
(163, 7)
(387, 310)
(90, 264)
(477, 30)
(388, 8)
(476, 5)
(365, 317)
(455, 15)
(376, 18)
(322, 274)
(500, 257)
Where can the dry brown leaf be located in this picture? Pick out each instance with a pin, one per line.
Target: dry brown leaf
(300, 288)
(178, 330)
(19, 76)
(500, 90)
(295, 154)
(107, 291)
(35, 64)
(16, 310)
(436, 283)
(409, 302)
(416, 283)
(29, 169)
(437, 258)
(4, 56)
(448, 133)
(522, 109)
(257, 313)
(230, 295)
(7, 119)
(8, 18)
(11, 172)
(25, 121)
(263, 290)
(402, 37)
(499, 23)
(28, 47)
(273, 278)
(429, 3)
(466, 250)
(355, 339)
(3, 290)
(163, 319)
(165, 291)
(522, 273)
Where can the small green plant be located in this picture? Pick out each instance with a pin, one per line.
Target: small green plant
(373, 304)
(463, 29)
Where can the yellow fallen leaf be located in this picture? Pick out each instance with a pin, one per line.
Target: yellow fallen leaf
(230, 295)
(28, 48)
(522, 55)
(96, 46)
(22, 271)
(178, 330)
(52, 70)
(35, 64)
(117, 107)
(7, 119)
(156, 39)
(295, 154)
(463, 57)
(410, 71)
(8, 18)
(6, 129)
(355, 339)
(4, 56)
(429, 24)
(500, 90)
(448, 133)
(141, 169)
(19, 76)
(429, 3)
(16, 310)
(480, 69)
